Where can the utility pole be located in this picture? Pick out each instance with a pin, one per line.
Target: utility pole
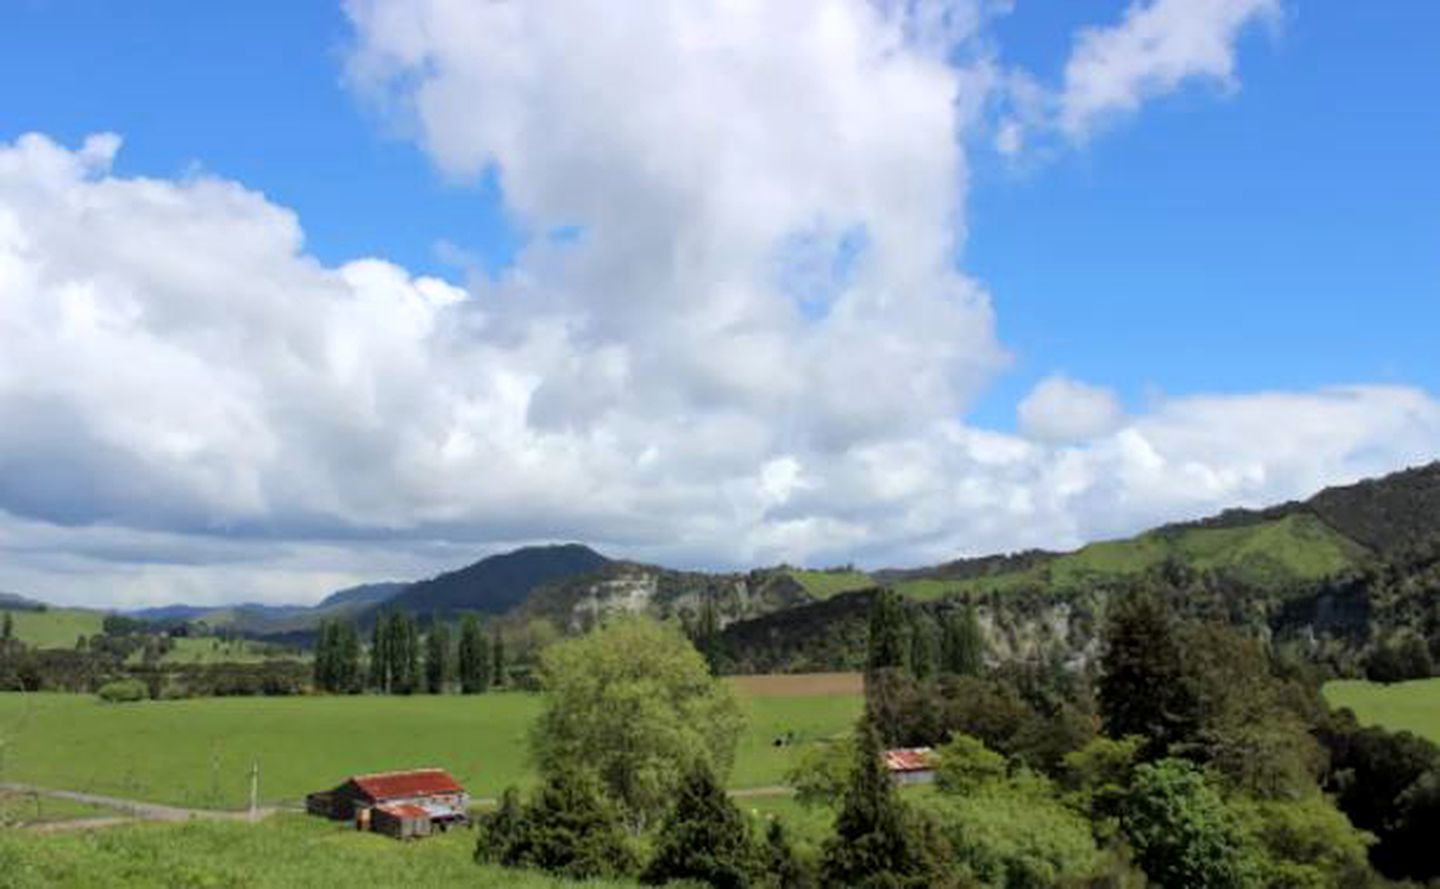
(254, 788)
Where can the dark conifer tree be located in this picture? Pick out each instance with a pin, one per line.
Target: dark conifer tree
(7, 631)
(924, 645)
(705, 838)
(873, 845)
(1143, 689)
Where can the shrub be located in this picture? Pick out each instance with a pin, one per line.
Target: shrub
(705, 838)
(123, 691)
(1182, 831)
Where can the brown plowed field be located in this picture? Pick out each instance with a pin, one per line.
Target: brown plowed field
(782, 685)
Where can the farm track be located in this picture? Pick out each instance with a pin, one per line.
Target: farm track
(139, 810)
(135, 810)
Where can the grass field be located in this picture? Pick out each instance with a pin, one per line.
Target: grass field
(210, 650)
(22, 809)
(198, 753)
(1409, 706)
(55, 627)
(284, 851)
(824, 584)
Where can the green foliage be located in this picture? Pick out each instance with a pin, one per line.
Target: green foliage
(337, 657)
(1015, 833)
(876, 841)
(1182, 832)
(966, 765)
(1404, 656)
(633, 701)
(1142, 689)
(705, 838)
(1097, 777)
(889, 646)
(1307, 844)
(438, 663)
(1388, 784)
(474, 657)
(123, 691)
(782, 868)
(962, 645)
(822, 772)
(569, 828)
(1250, 727)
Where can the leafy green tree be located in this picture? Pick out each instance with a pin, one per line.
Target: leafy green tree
(965, 765)
(962, 643)
(474, 657)
(633, 701)
(1182, 832)
(1142, 681)
(876, 843)
(705, 838)
(1014, 832)
(437, 658)
(821, 773)
(1096, 779)
(569, 829)
(1308, 843)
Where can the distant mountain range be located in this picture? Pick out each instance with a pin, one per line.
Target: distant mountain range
(17, 602)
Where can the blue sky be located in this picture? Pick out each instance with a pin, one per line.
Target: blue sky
(1149, 273)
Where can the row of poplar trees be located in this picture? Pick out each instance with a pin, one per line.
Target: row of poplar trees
(400, 662)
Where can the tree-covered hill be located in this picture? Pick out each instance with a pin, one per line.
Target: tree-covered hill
(495, 584)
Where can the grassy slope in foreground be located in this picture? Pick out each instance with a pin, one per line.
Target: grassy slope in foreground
(1408, 706)
(1298, 547)
(285, 851)
(55, 627)
(197, 753)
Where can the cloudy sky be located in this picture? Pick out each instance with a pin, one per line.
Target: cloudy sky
(298, 295)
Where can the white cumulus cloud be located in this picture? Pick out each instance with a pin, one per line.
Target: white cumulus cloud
(1156, 47)
(1061, 410)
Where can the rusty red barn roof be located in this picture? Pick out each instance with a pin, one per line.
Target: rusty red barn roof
(910, 759)
(399, 785)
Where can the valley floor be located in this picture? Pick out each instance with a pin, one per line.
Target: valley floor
(198, 753)
(1404, 706)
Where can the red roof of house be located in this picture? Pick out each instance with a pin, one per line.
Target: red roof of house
(402, 810)
(910, 759)
(399, 785)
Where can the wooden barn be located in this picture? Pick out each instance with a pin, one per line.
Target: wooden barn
(399, 804)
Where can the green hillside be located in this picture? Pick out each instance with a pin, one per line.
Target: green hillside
(824, 584)
(55, 627)
(1268, 554)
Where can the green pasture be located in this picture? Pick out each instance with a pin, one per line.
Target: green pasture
(282, 852)
(56, 627)
(1409, 706)
(824, 584)
(198, 753)
(1296, 547)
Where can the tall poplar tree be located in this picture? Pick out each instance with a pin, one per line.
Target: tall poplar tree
(474, 657)
(962, 643)
(437, 657)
